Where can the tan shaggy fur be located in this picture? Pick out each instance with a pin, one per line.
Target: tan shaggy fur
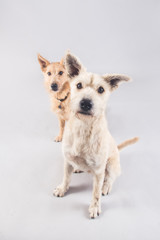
(55, 73)
(87, 142)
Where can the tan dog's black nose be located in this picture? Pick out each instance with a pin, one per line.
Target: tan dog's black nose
(86, 104)
(54, 87)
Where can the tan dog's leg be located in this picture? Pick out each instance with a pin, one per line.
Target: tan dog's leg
(95, 206)
(61, 130)
(112, 171)
(61, 189)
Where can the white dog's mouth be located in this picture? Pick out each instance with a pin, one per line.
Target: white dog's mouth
(85, 113)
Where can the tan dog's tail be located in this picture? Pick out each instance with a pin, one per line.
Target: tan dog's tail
(127, 142)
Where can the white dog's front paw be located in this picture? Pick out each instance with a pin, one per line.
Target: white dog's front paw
(59, 191)
(78, 171)
(106, 189)
(94, 211)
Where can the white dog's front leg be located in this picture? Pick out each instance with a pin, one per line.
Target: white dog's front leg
(62, 188)
(95, 206)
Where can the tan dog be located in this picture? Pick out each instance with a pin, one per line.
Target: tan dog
(56, 82)
(87, 142)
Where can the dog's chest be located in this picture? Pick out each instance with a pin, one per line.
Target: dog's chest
(62, 109)
(83, 147)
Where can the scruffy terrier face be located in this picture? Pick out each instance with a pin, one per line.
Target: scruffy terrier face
(89, 92)
(55, 75)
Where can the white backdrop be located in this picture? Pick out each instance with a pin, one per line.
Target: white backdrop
(108, 36)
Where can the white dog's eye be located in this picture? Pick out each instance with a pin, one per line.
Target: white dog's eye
(100, 89)
(49, 73)
(79, 85)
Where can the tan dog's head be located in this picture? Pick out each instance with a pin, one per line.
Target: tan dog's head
(54, 74)
(89, 92)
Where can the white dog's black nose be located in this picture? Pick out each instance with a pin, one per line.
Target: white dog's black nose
(54, 87)
(86, 104)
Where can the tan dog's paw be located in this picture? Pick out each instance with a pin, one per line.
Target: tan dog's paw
(106, 189)
(58, 139)
(94, 211)
(59, 191)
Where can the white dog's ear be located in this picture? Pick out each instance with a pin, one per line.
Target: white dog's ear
(114, 80)
(73, 65)
(43, 62)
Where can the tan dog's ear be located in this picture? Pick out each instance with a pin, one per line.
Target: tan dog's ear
(73, 65)
(43, 62)
(62, 61)
(114, 80)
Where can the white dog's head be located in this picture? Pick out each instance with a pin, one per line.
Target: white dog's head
(89, 92)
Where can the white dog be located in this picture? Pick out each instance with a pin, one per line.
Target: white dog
(87, 142)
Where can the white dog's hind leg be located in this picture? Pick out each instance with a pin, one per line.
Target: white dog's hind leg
(95, 206)
(112, 171)
(61, 189)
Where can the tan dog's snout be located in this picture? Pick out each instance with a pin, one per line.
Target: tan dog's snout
(58, 87)
(54, 86)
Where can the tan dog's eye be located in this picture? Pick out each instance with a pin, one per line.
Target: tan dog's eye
(60, 73)
(79, 85)
(100, 89)
(49, 73)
